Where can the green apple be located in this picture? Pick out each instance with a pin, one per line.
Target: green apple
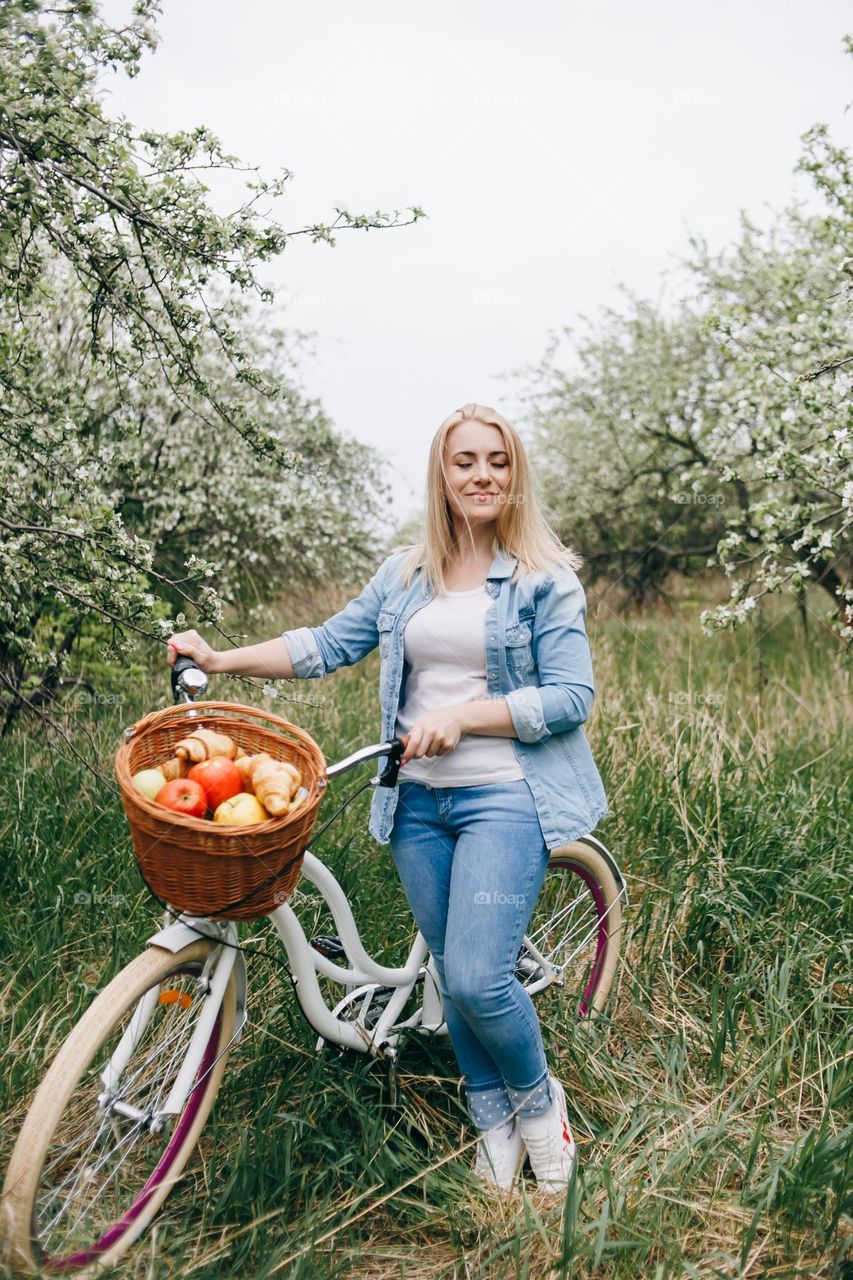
(149, 782)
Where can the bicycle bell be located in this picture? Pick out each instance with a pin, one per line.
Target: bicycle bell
(188, 680)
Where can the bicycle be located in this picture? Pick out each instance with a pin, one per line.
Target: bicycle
(120, 1110)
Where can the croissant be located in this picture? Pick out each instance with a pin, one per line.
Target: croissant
(274, 782)
(297, 800)
(204, 744)
(246, 765)
(174, 768)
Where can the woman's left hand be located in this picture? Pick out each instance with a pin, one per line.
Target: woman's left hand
(434, 734)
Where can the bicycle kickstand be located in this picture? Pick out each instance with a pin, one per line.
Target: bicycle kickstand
(390, 1055)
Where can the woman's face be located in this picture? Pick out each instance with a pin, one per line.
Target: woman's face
(478, 470)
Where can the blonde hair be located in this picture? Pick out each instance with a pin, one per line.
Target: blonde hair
(521, 529)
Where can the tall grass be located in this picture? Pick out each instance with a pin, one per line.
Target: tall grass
(711, 1102)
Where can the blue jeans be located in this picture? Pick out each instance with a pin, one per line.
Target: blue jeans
(472, 861)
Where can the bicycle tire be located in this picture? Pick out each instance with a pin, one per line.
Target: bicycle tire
(599, 922)
(27, 1248)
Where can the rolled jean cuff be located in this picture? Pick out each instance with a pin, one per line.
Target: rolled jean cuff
(532, 1102)
(488, 1107)
(496, 1105)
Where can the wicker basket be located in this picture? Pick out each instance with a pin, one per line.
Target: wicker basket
(202, 867)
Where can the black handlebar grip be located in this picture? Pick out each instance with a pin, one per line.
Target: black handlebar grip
(388, 776)
(182, 663)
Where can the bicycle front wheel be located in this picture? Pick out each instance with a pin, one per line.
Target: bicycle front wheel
(90, 1170)
(576, 926)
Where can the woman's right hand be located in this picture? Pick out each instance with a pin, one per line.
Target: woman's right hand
(195, 647)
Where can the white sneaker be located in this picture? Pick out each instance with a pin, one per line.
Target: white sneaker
(499, 1154)
(550, 1143)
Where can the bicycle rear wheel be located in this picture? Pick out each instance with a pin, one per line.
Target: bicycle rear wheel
(577, 926)
(88, 1172)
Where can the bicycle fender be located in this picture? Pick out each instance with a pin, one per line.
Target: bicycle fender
(611, 862)
(178, 935)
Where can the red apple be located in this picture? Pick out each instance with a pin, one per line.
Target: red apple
(220, 779)
(183, 796)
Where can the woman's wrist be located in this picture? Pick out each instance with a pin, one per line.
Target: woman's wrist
(216, 664)
(486, 714)
(468, 712)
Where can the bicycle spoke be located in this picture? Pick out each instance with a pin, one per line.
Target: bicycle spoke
(570, 931)
(162, 1088)
(589, 918)
(76, 1173)
(589, 936)
(94, 1163)
(174, 1040)
(83, 1182)
(557, 918)
(90, 1174)
(589, 913)
(130, 1137)
(155, 1050)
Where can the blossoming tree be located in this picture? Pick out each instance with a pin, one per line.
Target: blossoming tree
(719, 431)
(157, 451)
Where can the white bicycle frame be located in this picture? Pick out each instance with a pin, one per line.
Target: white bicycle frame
(360, 978)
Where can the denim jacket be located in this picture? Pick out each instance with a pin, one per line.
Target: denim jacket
(537, 657)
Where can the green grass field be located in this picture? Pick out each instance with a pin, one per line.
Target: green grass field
(710, 1103)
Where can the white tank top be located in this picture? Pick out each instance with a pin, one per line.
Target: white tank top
(445, 647)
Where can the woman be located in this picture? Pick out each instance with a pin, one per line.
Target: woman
(486, 677)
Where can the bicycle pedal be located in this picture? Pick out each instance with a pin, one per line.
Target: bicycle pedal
(330, 947)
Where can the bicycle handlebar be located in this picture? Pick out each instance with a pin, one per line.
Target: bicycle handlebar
(187, 679)
(190, 681)
(388, 778)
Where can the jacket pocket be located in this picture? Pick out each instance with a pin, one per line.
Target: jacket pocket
(518, 642)
(385, 626)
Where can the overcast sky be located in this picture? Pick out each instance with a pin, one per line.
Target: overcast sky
(557, 148)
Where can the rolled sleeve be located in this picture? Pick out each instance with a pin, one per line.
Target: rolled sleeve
(304, 653)
(525, 709)
(563, 699)
(566, 706)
